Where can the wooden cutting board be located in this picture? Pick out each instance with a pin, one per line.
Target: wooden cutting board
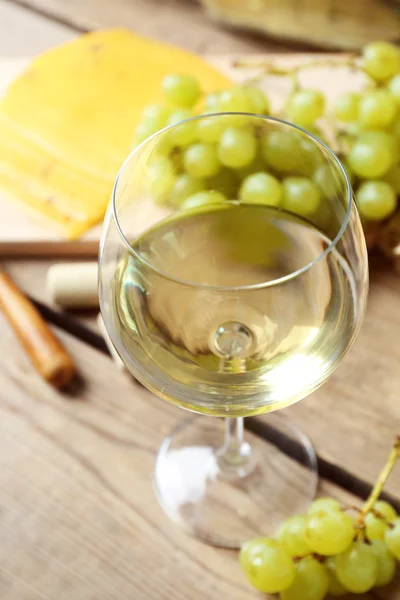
(25, 232)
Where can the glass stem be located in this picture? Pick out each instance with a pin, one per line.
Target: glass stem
(235, 452)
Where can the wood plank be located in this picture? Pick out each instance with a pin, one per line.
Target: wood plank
(24, 33)
(355, 416)
(77, 512)
(78, 515)
(359, 403)
(181, 22)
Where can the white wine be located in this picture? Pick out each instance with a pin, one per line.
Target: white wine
(223, 314)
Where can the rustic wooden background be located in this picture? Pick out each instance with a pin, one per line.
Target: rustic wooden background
(78, 516)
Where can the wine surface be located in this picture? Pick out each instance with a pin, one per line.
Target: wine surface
(217, 311)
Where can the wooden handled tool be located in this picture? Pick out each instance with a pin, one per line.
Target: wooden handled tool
(47, 354)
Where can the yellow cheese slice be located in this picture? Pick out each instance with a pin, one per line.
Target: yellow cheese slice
(67, 123)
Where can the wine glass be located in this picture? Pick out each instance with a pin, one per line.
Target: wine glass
(233, 280)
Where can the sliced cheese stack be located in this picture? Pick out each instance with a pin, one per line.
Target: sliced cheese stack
(67, 123)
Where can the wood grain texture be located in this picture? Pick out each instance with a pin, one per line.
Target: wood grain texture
(78, 515)
(23, 33)
(181, 22)
(355, 416)
(359, 403)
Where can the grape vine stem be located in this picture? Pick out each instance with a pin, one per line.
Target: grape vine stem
(270, 68)
(383, 477)
(351, 62)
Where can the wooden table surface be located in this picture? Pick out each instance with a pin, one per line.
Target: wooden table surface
(78, 516)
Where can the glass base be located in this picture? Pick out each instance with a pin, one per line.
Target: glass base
(225, 504)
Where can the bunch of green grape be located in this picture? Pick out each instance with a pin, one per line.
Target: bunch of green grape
(214, 160)
(225, 158)
(326, 551)
(370, 128)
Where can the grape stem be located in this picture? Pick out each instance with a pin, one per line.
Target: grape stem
(351, 507)
(270, 68)
(379, 515)
(318, 557)
(383, 477)
(352, 62)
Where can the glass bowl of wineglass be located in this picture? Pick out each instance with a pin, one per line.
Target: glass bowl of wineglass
(233, 280)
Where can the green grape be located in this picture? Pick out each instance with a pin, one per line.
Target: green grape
(329, 532)
(236, 99)
(261, 188)
(259, 101)
(161, 174)
(395, 130)
(310, 583)
(377, 135)
(327, 181)
(212, 102)
(392, 538)
(201, 160)
(324, 219)
(386, 563)
(182, 90)
(305, 107)
(394, 88)
(157, 114)
(381, 139)
(375, 528)
(335, 588)
(291, 535)
(353, 130)
(371, 158)
(310, 157)
(179, 115)
(357, 568)
(315, 130)
(257, 165)
(377, 109)
(203, 199)
(319, 133)
(349, 171)
(300, 196)
(376, 200)
(386, 510)
(185, 186)
(324, 504)
(144, 130)
(282, 150)
(210, 129)
(237, 147)
(267, 566)
(381, 60)
(346, 107)
(183, 134)
(225, 181)
(240, 121)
